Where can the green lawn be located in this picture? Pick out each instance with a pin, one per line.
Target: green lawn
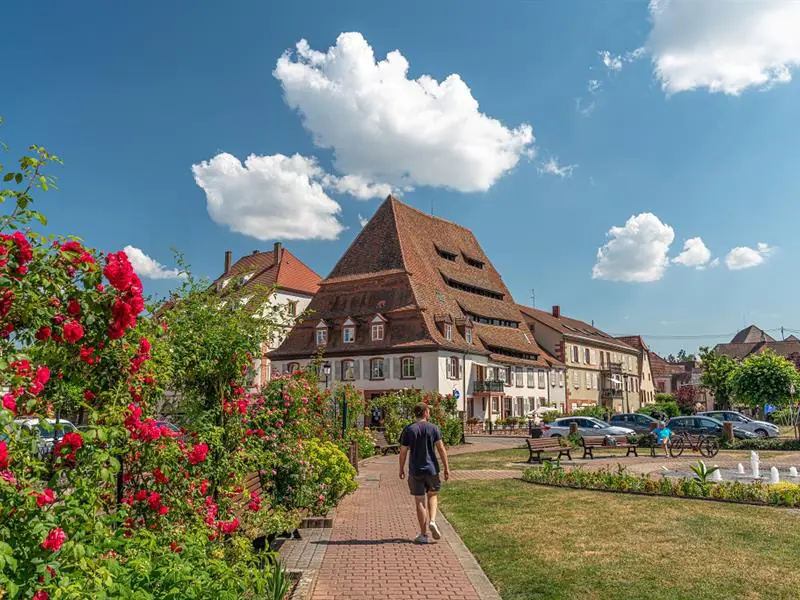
(538, 542)
(492, 459)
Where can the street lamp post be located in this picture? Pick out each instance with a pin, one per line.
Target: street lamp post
(326, 370)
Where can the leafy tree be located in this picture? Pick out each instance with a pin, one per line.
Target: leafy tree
(716, 377)
(686, 397)
(765, 378)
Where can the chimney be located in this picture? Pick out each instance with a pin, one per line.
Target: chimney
(228, 255)
(556, 311)
(277, 252)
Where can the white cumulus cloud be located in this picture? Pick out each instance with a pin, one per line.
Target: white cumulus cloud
(357, 186)
(636, 251)
(695, 254)
(744, 257)
(612, 63)
(724, 45)
(551, 167)
(362, 221)
(384, 126)
(146, 266)
(269, 197)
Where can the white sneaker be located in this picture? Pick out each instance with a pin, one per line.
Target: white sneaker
(437, 534)
(422, 539)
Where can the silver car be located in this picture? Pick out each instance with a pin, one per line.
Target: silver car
(760, 428)
(586, 426)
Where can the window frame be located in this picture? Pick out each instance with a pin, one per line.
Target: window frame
(448, 332)
(373, 362)
(377, 327)
(352, 364)
(289, 366)
(321, 336)
(468, 335)
(408, 360)
(351, 329)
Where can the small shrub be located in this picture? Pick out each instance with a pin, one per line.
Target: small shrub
(762, 444)
(598, 412)
(330, 475)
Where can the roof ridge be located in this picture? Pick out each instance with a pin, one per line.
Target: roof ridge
(429, 216)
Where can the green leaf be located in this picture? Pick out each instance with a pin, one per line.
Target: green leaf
(18, 177)
(9, 176)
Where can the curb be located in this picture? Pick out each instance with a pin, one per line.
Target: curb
(476, 576)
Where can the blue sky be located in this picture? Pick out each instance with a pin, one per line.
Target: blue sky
(693, 120)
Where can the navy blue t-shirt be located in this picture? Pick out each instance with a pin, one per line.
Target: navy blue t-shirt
(421, 438)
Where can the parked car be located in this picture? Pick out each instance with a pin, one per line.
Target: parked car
(638, 422)
(586, 426)
(760, 428)
(702, 425)
(45, 432)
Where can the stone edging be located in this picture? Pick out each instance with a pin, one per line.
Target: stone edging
(305, 585)
(476, 576)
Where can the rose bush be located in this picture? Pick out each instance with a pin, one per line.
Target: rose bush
(125, 507)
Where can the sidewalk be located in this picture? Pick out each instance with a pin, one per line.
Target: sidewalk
(370, 554)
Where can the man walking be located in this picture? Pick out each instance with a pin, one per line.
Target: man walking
(419, 440)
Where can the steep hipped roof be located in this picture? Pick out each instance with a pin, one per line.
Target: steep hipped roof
(263, 271)
(428, 266)
(751, 334)
(574, 329)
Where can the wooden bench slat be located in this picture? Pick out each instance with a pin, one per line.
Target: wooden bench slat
(551, 444)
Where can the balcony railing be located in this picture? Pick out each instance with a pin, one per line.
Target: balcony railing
(612, 367)
(611, 393)
(489, 386)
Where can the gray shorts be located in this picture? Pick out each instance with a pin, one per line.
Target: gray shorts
(419, 485)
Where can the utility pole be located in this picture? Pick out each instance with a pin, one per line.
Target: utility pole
(783, 337)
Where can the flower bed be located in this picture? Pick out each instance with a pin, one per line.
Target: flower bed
(783, 494)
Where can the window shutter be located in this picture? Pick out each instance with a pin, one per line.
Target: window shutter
(398, 368)
(356, 369)
(387, 368)
(418, 367)
(336, 368)
(365, 368)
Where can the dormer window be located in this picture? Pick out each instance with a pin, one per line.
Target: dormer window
(322, 333)
(378, 328)
(349, 331)
(468, 334)
(446, 254)
(448, 332)
(472, 262)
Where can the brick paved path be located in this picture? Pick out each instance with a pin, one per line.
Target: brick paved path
(371, 555)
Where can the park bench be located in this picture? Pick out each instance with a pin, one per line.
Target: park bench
(383, 445)
(546, 444)
(590, 443)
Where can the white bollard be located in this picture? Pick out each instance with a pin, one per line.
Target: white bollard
(774, 477)
(716, 476)
(741, 469)
(792, 471)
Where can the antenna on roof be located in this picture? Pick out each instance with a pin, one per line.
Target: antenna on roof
(431, 206)
(533, 298)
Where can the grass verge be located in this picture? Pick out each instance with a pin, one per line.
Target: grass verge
(541, 543)
(492, 459)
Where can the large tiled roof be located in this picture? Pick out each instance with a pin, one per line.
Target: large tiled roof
(751, 334)
(402, 261)
(291, 274)
(573, 328)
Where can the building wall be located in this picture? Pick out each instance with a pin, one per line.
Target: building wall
(586, 376)
(648, 391)
(432, 375)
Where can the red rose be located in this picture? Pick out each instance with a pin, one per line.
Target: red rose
(44, 333)
(48, 496)
(74, 307)
(71, 246)
(42, 375)
(159, 476)
(41, 595)
(3, 456)
(99, 287)
(118, 271)
(198, 453)
(68, 446)
(54, 540)
(73, 331)
(10, 403)
(88, 395)
(22, 270)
